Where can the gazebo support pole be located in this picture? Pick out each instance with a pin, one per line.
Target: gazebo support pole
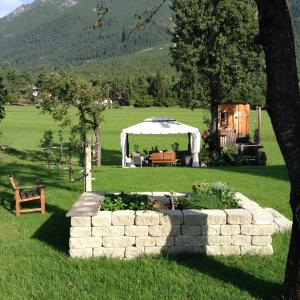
(127, 145)
(189, 144)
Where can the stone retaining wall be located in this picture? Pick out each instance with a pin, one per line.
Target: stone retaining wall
(127, 234)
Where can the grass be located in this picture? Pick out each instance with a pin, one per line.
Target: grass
(34, 263)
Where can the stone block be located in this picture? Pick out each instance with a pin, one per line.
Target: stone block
(78, 232)
(213, 216)
(185, 249)
(164, 241)
(171, 217)
(230, 250)
(257, 229)
(261, 240)
(210, 229)
(238, 216)
(134, 230)
(108, 231)
(146, 217)
(261, 216)
(118, 242)
(89, 242)
(246, 203)
(123, 217)
(212, 250)
(81, 253)
(81, 221)
(156, 250)
(109, 252)
(257, 250)
(103, 218)
(132, 252)
(192, 217)
(189, 241)
(241, 240)
(191, 230)
(280, 222)
(161, 230)
(145, 241)
(230, 229)
(215, 240)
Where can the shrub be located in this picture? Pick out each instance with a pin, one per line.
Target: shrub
(209, 196)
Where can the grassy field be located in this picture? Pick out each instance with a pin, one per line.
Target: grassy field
(34, 262)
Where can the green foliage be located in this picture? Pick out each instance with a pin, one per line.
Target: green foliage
(3, 99)
(52, 34)
(209, 196)
(124, 201)
(215, 51)
(141, 100)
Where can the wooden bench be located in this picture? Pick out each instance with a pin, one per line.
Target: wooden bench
(163, 158)
(30, 192)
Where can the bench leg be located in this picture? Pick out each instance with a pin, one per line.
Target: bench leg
(43, 201)
(18, 208)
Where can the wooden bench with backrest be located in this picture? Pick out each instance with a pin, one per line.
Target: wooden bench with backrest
(32, 191)
(163, 158)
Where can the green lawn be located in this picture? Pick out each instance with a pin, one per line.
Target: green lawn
(34, 262)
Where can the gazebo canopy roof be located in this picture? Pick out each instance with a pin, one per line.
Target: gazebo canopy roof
(160, 125)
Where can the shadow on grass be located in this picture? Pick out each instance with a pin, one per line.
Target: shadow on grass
(275, 172)
(55, 232)
(256, 287)
(111, 157)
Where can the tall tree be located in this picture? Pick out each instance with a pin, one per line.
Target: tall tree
(283, 105)
(214, 46)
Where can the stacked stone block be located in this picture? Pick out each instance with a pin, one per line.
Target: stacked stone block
(128, 234)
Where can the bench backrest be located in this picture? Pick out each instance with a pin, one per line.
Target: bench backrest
(13, 182)
(170, 156)
(157, 156)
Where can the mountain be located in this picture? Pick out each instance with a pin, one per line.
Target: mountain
(58, 32)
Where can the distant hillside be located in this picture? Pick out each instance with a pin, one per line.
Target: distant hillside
(149, 60)
(53, 32)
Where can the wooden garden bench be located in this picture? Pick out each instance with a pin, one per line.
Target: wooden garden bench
(163, 158)
(32, 191)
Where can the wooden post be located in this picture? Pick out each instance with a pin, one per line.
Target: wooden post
(259, 124)
(88, 166)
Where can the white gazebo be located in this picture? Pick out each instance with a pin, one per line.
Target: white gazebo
(162, 125)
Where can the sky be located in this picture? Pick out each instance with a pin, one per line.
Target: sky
(7, 6)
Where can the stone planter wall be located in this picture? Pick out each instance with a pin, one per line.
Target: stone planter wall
(127, 234)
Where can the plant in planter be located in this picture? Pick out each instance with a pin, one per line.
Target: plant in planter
(209, 196)
(124, 201)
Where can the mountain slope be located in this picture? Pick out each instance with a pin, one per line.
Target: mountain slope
(53, 32)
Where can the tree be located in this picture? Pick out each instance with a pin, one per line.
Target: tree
(3, 99)
(60, 92)
(214, 47)
(283, 105)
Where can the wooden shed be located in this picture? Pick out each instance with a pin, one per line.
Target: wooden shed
(233, 122)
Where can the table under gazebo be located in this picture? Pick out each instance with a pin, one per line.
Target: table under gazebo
(162, 126)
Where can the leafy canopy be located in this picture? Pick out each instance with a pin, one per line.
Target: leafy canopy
(215, 50)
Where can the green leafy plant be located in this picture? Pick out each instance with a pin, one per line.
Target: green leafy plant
(209, 196)
(124, 201)
(175, 147)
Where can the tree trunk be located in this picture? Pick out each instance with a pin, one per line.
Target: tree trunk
(283, 105)
(98, 146)
(214, 143)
